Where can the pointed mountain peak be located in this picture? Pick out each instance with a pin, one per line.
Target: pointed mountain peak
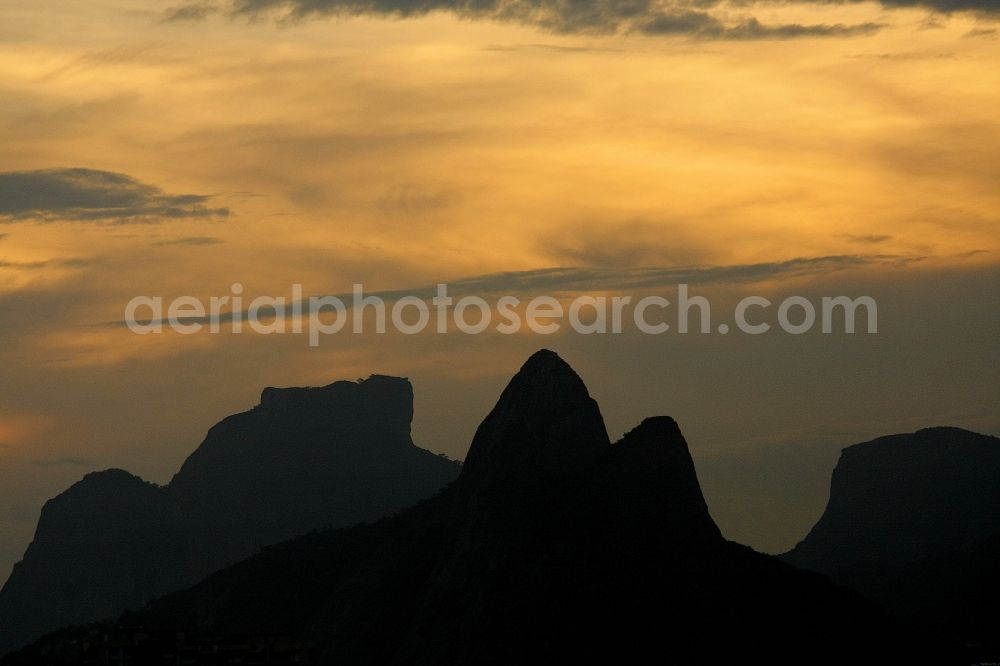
(545, 419)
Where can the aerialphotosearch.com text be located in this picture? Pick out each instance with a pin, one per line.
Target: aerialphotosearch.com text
(360, 312)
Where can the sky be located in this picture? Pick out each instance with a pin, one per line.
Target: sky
(510, 146)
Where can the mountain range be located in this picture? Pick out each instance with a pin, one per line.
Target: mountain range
(303, 459)
(553, 546)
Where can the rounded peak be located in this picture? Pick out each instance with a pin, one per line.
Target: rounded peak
(113, 476)
(545, 359)
(545, 373)
(653, 431)
(951, 431)
(545, 382)
(544, 415)
(103, 484)
(926, 438)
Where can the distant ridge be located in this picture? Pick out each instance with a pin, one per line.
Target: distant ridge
(904, 498)
(913, 523)
(301, 460)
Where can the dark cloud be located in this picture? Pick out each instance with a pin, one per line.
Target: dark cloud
(655, 17)
(191, 240)
(575, 279)
(869, 239)
(987, 33)
(625, 244)
(72, 262)
(88, 195)
(194, 11)
(22, 264)
(931, 23)
(705, 26)
(945, 6)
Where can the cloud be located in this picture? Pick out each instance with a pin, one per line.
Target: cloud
(869, 239)
(702, 25)
(565, 280)
(193, 11)
(71, 262)
(28, 265)
(118, 55)
(940, 55)
(982, 33)
(191, 240)
(89, 195)
(561, 48)
(576, 279)
(654, 17)
(944, 6)
(3, 236)
(625, 244)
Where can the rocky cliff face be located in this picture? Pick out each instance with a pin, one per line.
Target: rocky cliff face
(303, 459)
(901, 499)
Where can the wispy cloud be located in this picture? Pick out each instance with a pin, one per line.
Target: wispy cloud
(703, 25)
(981, 33)
(569, 280)
(119, 55)
(192, 11)
(191, 240)
(89, 195)
(71, 262)
(867, 239)
(943, 6)
(655, 17)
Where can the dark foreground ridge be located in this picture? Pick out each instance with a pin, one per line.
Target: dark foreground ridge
(554, 546)
(303, 459)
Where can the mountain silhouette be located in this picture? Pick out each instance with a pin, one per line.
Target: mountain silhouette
(553, 546)
(913, 522)
(301, 460)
